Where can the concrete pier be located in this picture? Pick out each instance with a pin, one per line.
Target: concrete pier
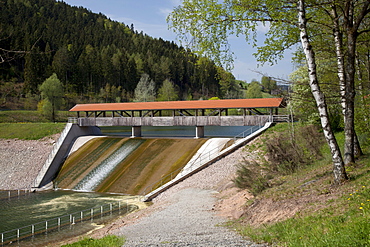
(136, 131)
(199, 132)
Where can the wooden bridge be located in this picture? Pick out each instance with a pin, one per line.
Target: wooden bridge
(233, 112)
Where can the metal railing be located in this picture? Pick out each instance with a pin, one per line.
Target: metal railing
(61, 223)
(200, 160)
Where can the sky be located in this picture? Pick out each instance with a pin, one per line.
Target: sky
(150, 16)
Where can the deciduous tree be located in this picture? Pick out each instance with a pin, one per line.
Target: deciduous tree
(167, 92)
(52, 92)
(145, 89)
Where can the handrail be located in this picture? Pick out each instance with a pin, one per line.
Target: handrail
(73, 120)
(65, 220)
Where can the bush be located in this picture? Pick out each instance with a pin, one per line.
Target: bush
(288, 152)
(247, 178)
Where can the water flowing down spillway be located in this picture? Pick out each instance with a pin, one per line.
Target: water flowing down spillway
(124, 165)
(97, 175)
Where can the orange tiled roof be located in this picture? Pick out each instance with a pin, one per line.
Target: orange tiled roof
(182, 105)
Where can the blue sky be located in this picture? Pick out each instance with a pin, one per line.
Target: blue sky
(149, 16)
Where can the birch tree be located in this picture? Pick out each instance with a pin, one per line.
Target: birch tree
(338, 164)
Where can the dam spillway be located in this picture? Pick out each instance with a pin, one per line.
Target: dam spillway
(124, 165)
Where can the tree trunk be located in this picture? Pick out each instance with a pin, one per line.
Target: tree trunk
(349, 156)
(352, 145)
(338, 164)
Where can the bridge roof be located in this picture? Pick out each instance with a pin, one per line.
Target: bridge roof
(183, 105)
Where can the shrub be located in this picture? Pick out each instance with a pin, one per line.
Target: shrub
(287, 152)
(248, 178)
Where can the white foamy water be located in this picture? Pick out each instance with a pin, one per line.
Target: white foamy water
(97, 175)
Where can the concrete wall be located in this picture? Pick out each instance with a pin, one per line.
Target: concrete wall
(60, 152)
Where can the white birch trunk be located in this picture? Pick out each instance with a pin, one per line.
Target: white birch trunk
(338, 164)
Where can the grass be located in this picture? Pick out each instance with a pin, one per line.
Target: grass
(22, 116)
(29, 131)
(107, 241)
(334, 215)
(30, 125)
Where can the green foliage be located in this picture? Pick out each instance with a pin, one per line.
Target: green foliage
(107, 241)
(268, 84)
(293, 149)
(254, 90)
(362, 123)
(29, 131)
(229, 86)
(303, 103)
(145, 89)
(52, 92)
(210, 23)
(167, 92)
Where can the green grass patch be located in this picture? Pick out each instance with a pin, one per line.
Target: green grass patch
(107, 241)
(336, 216)
(345, 223)
(22, 116)
(29, 131)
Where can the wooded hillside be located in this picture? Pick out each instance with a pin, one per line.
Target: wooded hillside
(96, 59)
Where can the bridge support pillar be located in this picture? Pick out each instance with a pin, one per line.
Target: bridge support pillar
(136, 131)
(199, 132)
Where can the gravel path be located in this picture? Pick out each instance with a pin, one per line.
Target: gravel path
(188, 221)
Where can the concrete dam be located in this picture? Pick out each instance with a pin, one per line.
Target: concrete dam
(85, 160)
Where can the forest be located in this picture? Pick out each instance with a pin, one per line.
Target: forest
(96, 59)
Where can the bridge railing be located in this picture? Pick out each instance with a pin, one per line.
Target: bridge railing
(73, 120)
(200, 160)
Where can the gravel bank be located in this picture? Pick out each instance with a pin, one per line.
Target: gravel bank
(21, 161)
